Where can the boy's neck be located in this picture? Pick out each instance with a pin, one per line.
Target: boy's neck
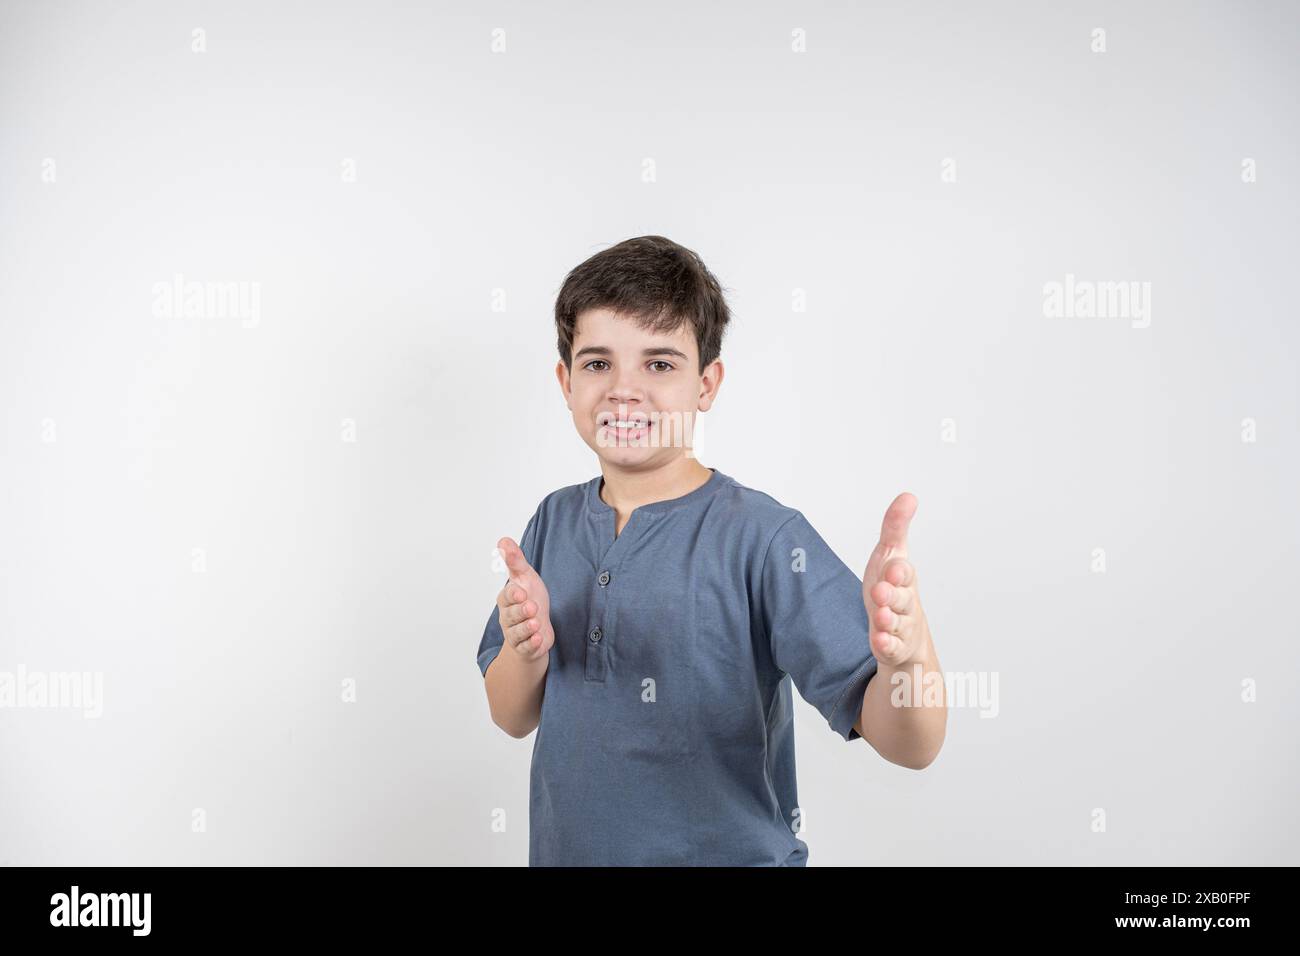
(625, 491)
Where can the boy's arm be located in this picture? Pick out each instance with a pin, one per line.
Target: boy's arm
(515, 679)
(910, 733)
(514, 692)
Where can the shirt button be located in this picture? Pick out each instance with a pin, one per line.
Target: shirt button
(596, 635)
(604, 578)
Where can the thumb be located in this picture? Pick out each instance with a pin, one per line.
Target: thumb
(898, 518)
(514, 557)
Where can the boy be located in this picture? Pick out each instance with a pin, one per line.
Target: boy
(655, 616)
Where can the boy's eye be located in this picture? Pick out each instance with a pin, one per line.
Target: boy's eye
(668, 366)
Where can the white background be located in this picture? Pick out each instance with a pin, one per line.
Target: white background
(476, 171)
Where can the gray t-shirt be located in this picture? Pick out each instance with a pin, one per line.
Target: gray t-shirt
(667, 730)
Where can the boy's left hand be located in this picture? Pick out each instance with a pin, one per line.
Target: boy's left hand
(899, 633)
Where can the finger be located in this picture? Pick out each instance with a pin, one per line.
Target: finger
(893, 530)
(899, 572)
(514, 557)
(518, 633)
(538, 642)
(899, 625)
(530, 648)
(897, 599)
(511, 593)
(887, 647)
(515, 613)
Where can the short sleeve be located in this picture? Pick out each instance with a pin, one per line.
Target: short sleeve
(816, 623)
(493, 639)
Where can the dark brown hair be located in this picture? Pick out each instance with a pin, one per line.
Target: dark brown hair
(652, 280)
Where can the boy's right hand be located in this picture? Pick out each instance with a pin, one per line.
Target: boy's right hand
(525, 607)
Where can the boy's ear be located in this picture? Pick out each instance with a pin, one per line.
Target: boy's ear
(562, 374)
(710, 382)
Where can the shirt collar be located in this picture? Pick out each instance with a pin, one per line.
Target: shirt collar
(597, 505)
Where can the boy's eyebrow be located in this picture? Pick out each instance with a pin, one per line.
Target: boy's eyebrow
(602, 350)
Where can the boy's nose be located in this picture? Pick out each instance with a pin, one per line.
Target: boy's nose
(629, 396)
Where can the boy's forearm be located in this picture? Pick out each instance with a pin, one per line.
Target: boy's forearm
(514, 691)
(911, 733)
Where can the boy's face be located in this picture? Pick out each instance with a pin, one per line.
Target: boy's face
(622, 372)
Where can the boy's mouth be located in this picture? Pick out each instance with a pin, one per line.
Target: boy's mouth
(634, 426)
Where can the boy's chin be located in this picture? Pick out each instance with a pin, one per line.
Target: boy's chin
(626, 454)
(617, 455)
